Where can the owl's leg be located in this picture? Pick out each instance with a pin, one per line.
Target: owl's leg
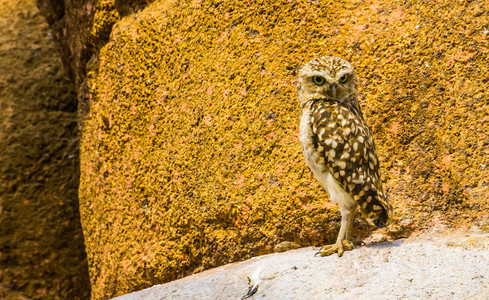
(343, 241)
(351, 217)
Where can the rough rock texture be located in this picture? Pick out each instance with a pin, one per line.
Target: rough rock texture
(432, 267)
(42, 254)
(190, 156)
(81, 27)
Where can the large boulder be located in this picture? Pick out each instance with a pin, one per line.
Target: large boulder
(42, 253)
(190, 156)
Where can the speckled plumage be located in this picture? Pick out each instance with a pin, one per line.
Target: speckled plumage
(338, 146)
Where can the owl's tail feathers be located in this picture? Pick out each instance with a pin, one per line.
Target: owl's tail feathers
(375, 210)
(383, 215)
(379, 223)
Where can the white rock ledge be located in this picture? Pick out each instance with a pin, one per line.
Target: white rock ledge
(431, 267)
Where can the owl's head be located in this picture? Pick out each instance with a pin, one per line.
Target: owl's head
(327, 77)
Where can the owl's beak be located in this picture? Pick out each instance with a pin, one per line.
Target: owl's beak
(332, 91)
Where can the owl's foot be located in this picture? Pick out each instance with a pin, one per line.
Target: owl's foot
(338, 247)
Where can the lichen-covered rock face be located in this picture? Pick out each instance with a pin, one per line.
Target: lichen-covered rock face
(81, 27)
(190, 155)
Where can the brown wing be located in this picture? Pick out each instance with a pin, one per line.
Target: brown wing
(344, 141)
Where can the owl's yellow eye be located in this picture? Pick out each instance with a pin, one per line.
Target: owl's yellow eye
(318, 80)
(343, 78)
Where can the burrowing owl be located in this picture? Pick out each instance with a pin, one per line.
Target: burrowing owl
(338, 146)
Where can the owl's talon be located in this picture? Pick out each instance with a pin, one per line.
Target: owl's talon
(335, 248)
(348, 245)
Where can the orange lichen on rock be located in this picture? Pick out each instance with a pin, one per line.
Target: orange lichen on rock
(190, 154)
(106, 15)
